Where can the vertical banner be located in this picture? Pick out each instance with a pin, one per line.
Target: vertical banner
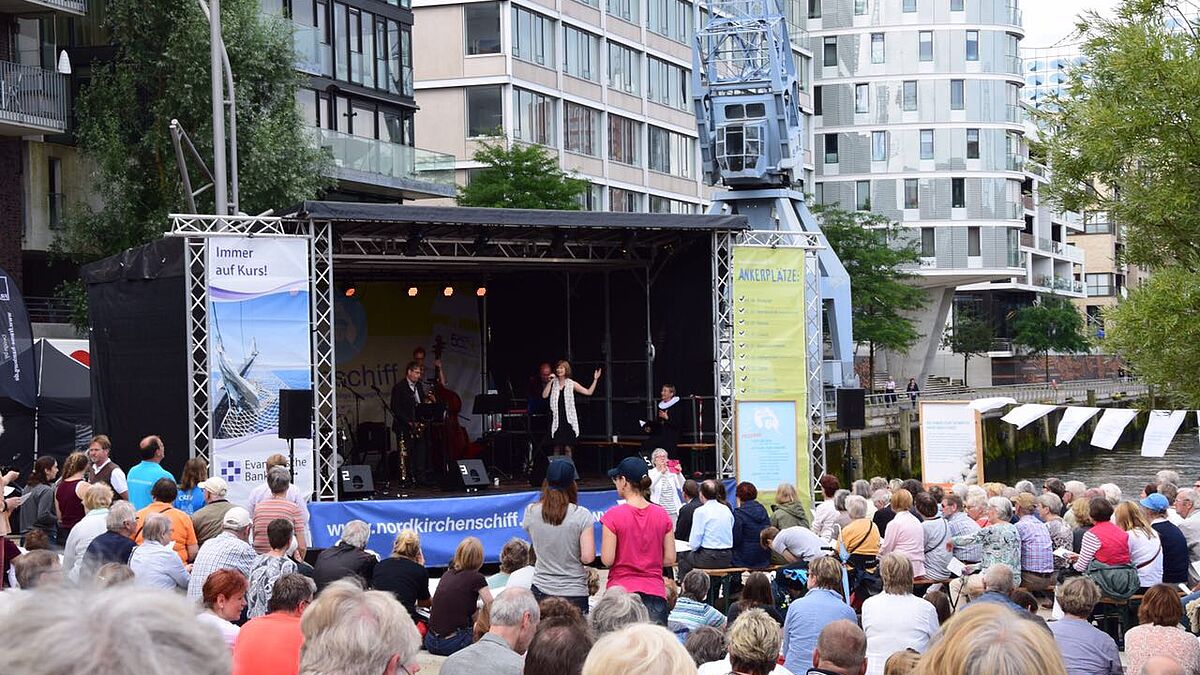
(1072, 420)
(951, 443)
(260, 341)
(766, 441)
(1112, 423)
(1160, 431)
(769, 363)
(17, 381)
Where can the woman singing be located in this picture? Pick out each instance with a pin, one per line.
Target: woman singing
(561, 390)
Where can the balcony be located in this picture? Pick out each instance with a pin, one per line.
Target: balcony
(77, 7)
(1060, 284)
(313, 56)
(1013, 65)
(32, 100)
(1014, 113)
(1027, 240)
(384, 167)
(1012, 16)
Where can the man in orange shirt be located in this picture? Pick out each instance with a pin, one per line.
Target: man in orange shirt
(270, 644)
(164, 493)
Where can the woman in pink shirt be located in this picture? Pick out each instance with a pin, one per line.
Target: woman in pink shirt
(905, 535)
(638, 539)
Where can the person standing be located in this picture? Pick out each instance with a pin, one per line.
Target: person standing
(37, 504)
(889, 391)
(564, 421)
(912, 390)
(564, 536)
(104, 470)
(191, 495)
(407, 394)
(666, 428)
(68, 495)
(711, 539)
(666, 480)
(637, 540)
(208, 521)
(143, 476)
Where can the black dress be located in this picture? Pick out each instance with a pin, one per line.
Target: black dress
(565, 435)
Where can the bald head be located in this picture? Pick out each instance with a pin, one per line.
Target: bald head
(1162, 665)
(841, 648)
(708, 490)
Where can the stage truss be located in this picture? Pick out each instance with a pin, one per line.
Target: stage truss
(723, 243)
(196, 230)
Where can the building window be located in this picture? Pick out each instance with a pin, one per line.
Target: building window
(956, 5)
(623, 69)
(56, 198)
(958, 195)
(624, 9)
(973, 248)
(927, 144)
(670, 18)
(623, 140)
(860, 7)
(623, 201)
(668, 84)
(483, 28)
(666, 205)
(862, 195)
(1100, 285)
(671, 152)
(533, 117)
(972, 45)
(819, 193)
(910, 5)
(592, 198)
(485, 116)
(926, 44)
(581, 54)
(879, 146)
(877, 45)
(830, 52)
(928, 241)
(956, 95)
(831, 148)
(814, 9)
(911, 198)
(533, 37)
(861, 98)
(818, 100)
(581, 129)
(910, 95)
(972, 144)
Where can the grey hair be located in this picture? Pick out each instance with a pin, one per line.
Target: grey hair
(1169, 490)
(512, 605)
(882, 497)
(349, 630)
(976, 490)
(356, 533)
(975, 500)
(895, 484)
(120, 514)
(1078, 596)
(961, 489)
(1025, 486)
(839, 499)
(1187, 494)
(658, 452)
(616, 609)
(1051, 501)
(695, 585)
(289, 591)
(1167, 476)
(131, 630)
(856, 506)
(1076, 487)
(1004, 508)
(278, 480)
(999, 578)
(1009, 492)
(861, 488)
(1112, 493)
(879, 483)
(156, 527)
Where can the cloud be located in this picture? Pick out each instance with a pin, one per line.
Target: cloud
(1048, 23)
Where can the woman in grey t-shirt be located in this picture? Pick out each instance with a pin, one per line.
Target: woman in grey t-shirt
(564, 536)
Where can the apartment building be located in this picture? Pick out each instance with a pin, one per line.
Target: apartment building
(1046, 73)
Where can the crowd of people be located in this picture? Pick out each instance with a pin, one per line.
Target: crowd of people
(886, 577)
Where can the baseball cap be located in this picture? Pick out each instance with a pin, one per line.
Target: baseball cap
(236, 518)
(561, 473)
(1155, 502)
(215, 485)
(632, 468)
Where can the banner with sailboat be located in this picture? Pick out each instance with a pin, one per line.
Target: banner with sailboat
(259, 343)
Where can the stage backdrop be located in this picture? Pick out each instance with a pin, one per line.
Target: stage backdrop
(770, 368)
(259, 342)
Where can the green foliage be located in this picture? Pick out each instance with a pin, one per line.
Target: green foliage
(972, 336)
(1157, 331)
(1053, 324)
(520, 177)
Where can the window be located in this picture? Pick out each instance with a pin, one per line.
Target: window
(818, 100)
(56, 198)
(623, 69)
(666, 205)
(928, 241)
(592, 198)
(861, 96)
(581, 54)
(624, 201)
(860, 7)
(670, 18)
(911, 198)
(862, 195)
(958, 196)
(972, 46)
(623, 140)
(879, 146)
(483, 28)
(877, 47)
(972, 239)
(533, 37)
(910, 95)
(484, 111)
(956, 94)
(926, 44)
(1099, 285)
(668, 84)
(814, 9)
(671, 152)
(956, 5)
(533, 117)
(581, 129)
(831, 148)
(972, 144)
(819, 193)
(624, 9)
(910, 5)
(830, 52)
(927, 144)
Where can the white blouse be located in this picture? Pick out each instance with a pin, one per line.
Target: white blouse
(894, 623)
(1141, 549)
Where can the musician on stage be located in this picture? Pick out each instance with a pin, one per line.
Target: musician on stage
(667, 426)
(439, 377)
(407, 394)
(535, 399)
(564, 422)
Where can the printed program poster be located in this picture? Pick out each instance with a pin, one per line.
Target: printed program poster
(951, 443)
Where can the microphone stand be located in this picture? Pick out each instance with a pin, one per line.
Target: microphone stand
(387, 409)
(357, 420)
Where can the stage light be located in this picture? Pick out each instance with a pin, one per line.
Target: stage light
(481, 291)
(412, 291)
(448, 291)
(350, 291)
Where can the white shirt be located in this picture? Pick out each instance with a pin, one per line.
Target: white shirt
(522, 578)
(91, 526)
(1141, 548)
(665, 493)
(722, 667)
(825, 517)
(228, 631)
(158, 566)
(116, 479)
(894, 623)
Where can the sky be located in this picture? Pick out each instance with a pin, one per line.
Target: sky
(1049, 21)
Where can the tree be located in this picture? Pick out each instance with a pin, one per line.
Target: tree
(160, 72)
(972, 336)
(1157, 332)
(1053, 324)
(520, 176)
(874, 255)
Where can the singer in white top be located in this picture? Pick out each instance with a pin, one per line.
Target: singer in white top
(666, 481)
(564, 422)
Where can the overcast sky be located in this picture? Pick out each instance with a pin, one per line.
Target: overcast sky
(1049, 21)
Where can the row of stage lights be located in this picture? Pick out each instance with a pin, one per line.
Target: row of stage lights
(414, 291)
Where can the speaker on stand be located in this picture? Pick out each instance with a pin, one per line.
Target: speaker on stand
(851, 415)
(295, 420)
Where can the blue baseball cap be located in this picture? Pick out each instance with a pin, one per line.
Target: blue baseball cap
(561, 473)
(632, 468)
(1155, 502)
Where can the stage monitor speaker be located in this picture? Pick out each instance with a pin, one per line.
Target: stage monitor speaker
(355, 482)
(295, 413)
(468, 474)
(851, 409)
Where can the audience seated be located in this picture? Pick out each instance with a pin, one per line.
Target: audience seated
(452, 610)
(154, 562)
(183, 535)
(756, 593)
(905, 535)
(270, 644)
(558, 647)
(749, 520)
(1085, 648)
(901, 663)
(896, 619)
(229, 550)
(513, 557)
(807, 616)
(224, 598)
(841, 650)
(642, 649)
(986, 639)
(404, 574)
(1158, 632)
(268, 567)
(514, 617)
(38, 569)
(351, 631)
(347, 557)
(691, 609)
(711, 539)
(615, 610)
(706, 644)
(754, 642)
(1037, 550)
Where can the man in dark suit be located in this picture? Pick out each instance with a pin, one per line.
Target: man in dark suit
(407, 394)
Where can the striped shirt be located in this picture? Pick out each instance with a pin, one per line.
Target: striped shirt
(270, 509)
(690, 614)
(1037, 551)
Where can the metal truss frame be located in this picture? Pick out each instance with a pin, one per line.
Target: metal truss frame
(351, 248)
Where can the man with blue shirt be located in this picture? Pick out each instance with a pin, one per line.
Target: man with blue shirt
(711, 538)
(143, 476)
(808, 616)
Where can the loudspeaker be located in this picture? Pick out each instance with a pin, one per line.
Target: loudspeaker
(851, 409)
(468, 474)
(295, 413)
(541, 462)
(356, 482)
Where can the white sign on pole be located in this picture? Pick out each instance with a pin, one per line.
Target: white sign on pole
(951, 443)
(1024, 415)
(1112, 423)
(1072, 420)
(1160, 431)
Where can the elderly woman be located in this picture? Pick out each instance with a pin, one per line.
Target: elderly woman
(749, 520)
(861, 537)
(1159, 632)
(154, 562)
(1087, 648)
(647, 650)
(96, 501)
(896, 619)
(787, 511)
(1048, 507)
(937, 533)
(862, 488)
(905, 534)
(1000, 540)
(666, 481)
(754, 641)
(224, 599)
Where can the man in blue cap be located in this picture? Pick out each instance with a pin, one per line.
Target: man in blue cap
(1174, 544)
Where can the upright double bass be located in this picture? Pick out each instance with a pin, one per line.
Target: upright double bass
(451, 438)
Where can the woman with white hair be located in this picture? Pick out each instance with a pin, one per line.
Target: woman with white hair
(1000, 540)
(1049, 506)
(666, 482)
(349, 630)
(154, 562)
(642, 649)
(896, 619)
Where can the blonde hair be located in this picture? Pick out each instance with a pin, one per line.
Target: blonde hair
(988, 639)
(897, 573)
(468, 555)
(641, 648)
(407, 545)
(1129, 517)
(902, 663)
(754, 638)
(1081, 507)
(826, 572)
(76, 462)
(98, 496)
(785, 493)
(901, 500)
(994, 489)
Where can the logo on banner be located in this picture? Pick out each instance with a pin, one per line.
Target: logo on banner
(4, 289)
(231, 471)
(766, 419)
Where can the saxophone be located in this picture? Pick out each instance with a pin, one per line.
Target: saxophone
(402, 448)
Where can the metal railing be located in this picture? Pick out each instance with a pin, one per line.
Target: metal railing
(1012, 15)
(75, 6)
(1060, 283)
(32, 96)
(1014, 113)
(47, 309)
(371, 155)
(313, 55)
(1040, 392)
(1013, 65)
